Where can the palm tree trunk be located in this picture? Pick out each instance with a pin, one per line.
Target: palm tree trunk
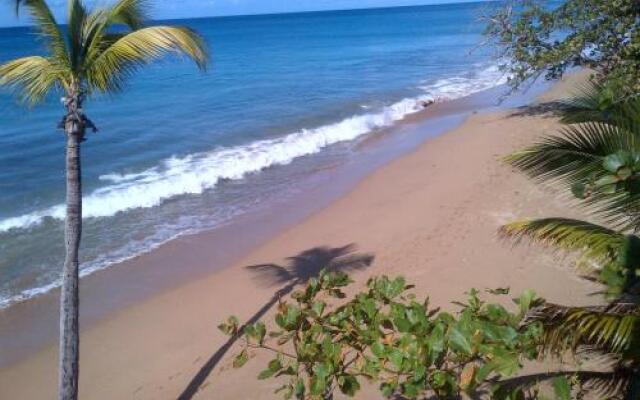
(69, 298)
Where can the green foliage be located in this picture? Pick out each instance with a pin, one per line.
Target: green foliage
(100, 49)
(608, 256)
(599, 160)
(562, 388)
(539, 38)
(324, 342)
(593, 102)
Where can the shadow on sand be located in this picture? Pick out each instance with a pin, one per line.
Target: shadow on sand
(547, 109)
(297, 271)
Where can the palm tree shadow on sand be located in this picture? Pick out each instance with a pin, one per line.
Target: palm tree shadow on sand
(297, 271)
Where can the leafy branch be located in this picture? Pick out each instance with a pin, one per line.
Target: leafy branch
(325, 342)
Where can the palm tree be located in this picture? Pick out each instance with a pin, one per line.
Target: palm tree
(96, 53)
(611, 331)
(598, 156)
(594, 102)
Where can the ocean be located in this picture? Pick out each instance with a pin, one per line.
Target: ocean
(181, 152)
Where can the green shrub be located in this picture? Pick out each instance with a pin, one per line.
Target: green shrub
(324, 342)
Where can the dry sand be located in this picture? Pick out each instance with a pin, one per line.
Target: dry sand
(431, 216)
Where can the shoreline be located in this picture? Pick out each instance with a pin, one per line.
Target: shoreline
(136, 279)
(403, 216)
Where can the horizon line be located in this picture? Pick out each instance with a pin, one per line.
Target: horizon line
(446, 3)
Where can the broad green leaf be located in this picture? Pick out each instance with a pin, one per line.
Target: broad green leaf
(436, 343)
(459, 341)
(562, 388)
(318, 385)
(378, 349)
(615, 161)
(438, 379)
(318, 307)
(526, 300)
(266, 373)
(396, 357)
(348, 385)
(241, 359)
(607, 180)
(299, 389)
(388, 389)
(411, 390)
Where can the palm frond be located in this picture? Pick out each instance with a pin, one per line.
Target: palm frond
(621, 208)
(611, 257)
(595, 242)
(626, 114)
(31, 78)
(610, 385)
(576, 154)
(46, 24)
(97, 34)
(132, 13)
(613, 329)
(76, 18)
(591, 102)
(108, 71)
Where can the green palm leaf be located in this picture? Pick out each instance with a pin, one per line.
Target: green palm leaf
(136, 49)
(590, 103)
(46, 24)
(613, 258)
(577, 157)
(76, 17)
(576, 154)
(32, 77)
(610, 385)
(132, 13)
(593, 241)
(612, 329)
(594, 102)
(97, 54)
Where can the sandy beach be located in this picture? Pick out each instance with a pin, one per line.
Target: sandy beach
(431, 216)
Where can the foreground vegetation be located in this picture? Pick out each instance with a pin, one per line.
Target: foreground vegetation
(385, 334)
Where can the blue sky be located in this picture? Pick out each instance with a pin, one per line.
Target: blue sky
(189, 8)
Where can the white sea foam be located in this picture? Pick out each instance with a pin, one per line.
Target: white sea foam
(195, 173)
(128, 252)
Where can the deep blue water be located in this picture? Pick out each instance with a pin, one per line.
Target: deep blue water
(181, 151)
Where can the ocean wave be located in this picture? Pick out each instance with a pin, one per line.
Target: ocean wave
(195, 173)
(128, 252)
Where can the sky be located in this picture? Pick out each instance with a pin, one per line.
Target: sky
(189, 8)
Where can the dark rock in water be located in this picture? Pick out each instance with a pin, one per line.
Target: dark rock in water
(427, 103)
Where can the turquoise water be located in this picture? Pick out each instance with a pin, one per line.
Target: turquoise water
(182, 151)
